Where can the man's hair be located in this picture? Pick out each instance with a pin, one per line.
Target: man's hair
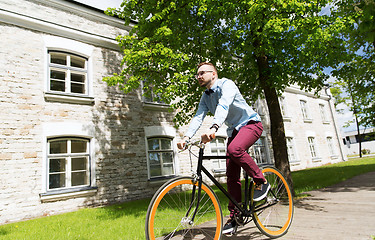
(206, 63)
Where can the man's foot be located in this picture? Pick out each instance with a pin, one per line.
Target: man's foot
(230, 227)
(261, 191)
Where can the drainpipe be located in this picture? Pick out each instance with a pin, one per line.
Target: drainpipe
(334, 122)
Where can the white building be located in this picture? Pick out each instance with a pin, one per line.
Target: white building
(351, 141)
(69, 141)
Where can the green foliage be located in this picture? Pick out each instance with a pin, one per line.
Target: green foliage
(172, 37)
(355, 87)
(356, 75)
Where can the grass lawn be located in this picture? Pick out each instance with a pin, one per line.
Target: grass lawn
(127, 220)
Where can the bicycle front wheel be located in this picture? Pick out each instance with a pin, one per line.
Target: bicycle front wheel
(273, 215)
(169, 215)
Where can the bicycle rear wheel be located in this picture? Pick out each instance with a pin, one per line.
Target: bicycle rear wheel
(172, 207)
(273, 215)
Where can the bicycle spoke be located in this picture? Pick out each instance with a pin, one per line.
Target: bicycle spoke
(273, 215)
(175, 208)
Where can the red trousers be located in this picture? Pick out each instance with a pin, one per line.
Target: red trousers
(237, 147)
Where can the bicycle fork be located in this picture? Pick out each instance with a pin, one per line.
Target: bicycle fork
(197, 179)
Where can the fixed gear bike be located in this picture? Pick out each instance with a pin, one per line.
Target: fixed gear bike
(188, 208)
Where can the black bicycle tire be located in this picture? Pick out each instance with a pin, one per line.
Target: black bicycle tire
(286, 226)
(162, 190)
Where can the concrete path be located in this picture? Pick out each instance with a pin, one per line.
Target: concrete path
(343, 211)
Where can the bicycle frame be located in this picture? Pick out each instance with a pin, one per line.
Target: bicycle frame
(200, 169)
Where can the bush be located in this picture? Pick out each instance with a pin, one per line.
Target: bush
(365, 151)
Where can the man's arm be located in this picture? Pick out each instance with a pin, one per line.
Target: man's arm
(195, 123)
(229, 91)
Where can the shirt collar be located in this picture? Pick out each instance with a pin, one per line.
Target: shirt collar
(213, 88)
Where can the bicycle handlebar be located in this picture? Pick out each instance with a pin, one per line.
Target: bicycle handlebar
(197, 143)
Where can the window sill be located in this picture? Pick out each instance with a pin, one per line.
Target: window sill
(317, 159)
(295, 162)
(308, 120)
(219, 172)
(68, 98)
(287, 119)
(326, 122)
(60, 195)
(156, 106)
(157, 180)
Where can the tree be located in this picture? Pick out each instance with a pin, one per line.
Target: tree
(357, 73)
(347, 91)
(264, 46)
(355, 84)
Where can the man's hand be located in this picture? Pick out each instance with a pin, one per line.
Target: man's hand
(182, 143)
(209, 136)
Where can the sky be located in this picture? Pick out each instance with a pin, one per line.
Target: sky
(101, 4)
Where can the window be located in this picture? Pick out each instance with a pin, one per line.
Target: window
(259, 151)
(283, 106)
(305, 113)
(283, 109)
(218, 148)
(323, 113)
(291, 149)
(67, 73)
(160, 157)
(149, 96)
(150, 99)
(312, 147)
(68, 163)
(331, 148)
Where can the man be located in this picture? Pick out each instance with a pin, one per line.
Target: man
(223, 98)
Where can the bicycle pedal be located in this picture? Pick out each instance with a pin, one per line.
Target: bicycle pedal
(230, 234)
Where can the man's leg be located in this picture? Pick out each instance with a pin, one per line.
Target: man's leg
(239, 143)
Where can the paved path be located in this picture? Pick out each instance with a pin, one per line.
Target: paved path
(343, 211)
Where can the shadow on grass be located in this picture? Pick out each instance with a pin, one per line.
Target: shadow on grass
(3, 232)
(304, 180)
(137, 208)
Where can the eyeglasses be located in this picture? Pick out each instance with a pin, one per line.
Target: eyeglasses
(201, 73)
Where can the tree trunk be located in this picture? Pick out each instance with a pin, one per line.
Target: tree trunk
(359, 136)
(280, 150)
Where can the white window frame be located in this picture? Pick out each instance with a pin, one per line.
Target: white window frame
(68, 129)
(331, 146)
(259, 152)
(162, 132)
(323, 113)
(160, 152)
(284, 109)
(305, 110)
(292, 154)
(312, 147)
(68, 157)
(150, 103)
(219, 165)
(72, 48)
(68, 71)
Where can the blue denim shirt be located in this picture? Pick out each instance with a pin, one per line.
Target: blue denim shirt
(227, 104)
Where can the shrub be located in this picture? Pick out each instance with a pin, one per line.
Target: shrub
(365, 151)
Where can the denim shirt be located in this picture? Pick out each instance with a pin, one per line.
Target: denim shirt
(227, 104)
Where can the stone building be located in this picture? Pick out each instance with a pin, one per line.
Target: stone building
(69, 141)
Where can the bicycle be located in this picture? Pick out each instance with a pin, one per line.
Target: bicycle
(188, 208)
